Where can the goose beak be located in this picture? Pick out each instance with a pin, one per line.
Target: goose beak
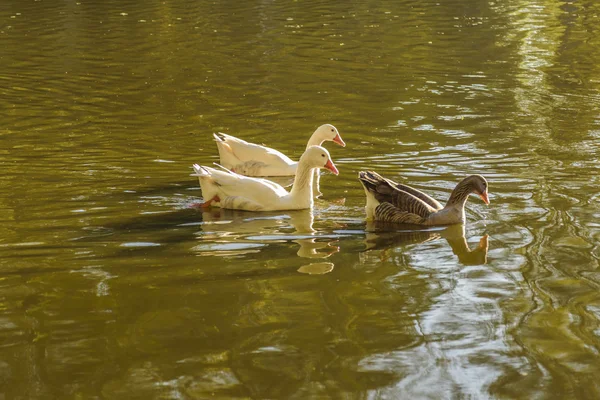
(330, 166)
(484, 197)
(338, 139)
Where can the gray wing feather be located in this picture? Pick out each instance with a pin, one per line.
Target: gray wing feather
(388, 213)
(433, 203)
(387, 191)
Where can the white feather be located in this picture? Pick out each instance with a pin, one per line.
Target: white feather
(252, 159)
(241, 192)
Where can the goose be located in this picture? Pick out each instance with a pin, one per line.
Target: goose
(227, 189)
(389, 201)
(252, 159)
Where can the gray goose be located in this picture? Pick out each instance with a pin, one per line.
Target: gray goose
(389, 201)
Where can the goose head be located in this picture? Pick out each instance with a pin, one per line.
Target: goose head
(479, 186)
(318, 157)
(330, 133)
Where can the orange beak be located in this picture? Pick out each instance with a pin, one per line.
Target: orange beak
(330, 166)
(484, 197)
(338, 139)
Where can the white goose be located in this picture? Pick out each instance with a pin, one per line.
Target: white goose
(227, 189)
(252, 159)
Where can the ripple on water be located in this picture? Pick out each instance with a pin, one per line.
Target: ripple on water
(227, 249)
(139, 244)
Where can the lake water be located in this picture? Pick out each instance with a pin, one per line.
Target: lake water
(113, 286)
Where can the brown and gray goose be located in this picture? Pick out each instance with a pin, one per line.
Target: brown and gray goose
(389, 201)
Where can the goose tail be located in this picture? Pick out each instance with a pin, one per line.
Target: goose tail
(370, 180)
(219, 137)
(200, 171)
(227, 157)
(208, 184)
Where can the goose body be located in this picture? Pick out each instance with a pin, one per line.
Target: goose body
(252, 159)
(389, 201)
(228, 189)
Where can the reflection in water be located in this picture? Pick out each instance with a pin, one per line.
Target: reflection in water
(316, 268)
(379, 236)
(233, 232)
(309, 246)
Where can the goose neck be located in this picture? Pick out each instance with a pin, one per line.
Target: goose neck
(314, 140)
(459, 195)
(303, 182)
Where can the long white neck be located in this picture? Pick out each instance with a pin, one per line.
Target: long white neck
(314, 140)
(302, 190)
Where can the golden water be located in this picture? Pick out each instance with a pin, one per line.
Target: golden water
(112, 286)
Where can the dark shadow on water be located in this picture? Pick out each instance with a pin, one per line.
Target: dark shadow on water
(158, 221)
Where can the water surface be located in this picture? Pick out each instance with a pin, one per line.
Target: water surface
(112, 286)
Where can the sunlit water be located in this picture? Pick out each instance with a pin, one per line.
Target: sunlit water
(113, 286)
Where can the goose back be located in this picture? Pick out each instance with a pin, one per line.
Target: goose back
(387, 191)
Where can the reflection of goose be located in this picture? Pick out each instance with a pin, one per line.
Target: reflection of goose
(267, 223)
(380, 237)
(308, 248)
(239, 228)
(227, 189)
(252, 159)
(377, 237)
(319, 268)
(389, 201)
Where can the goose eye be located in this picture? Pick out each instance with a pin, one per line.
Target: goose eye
(332, 130)
(322, 155)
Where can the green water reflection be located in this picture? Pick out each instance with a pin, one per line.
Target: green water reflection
(112, 286)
